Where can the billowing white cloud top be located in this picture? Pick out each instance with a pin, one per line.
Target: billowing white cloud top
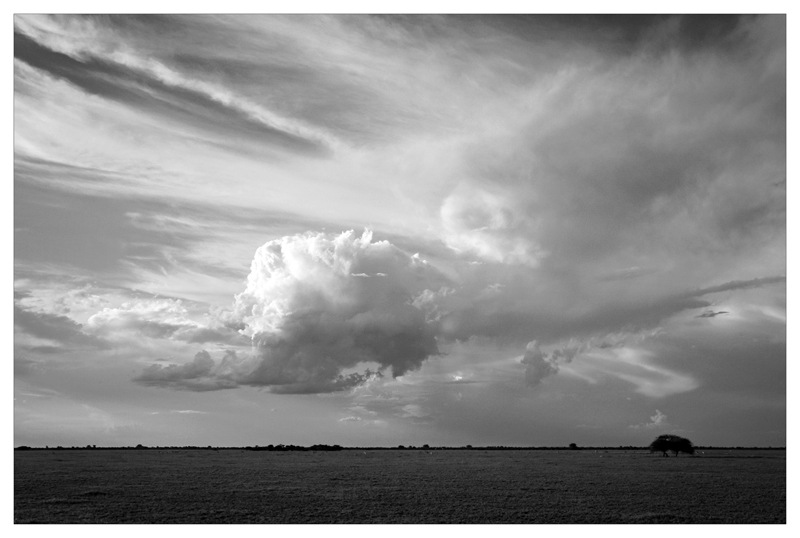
(317, 304)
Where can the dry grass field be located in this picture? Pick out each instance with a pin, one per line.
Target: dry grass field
(398, 486)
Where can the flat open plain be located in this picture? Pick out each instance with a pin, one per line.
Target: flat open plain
(398, 486)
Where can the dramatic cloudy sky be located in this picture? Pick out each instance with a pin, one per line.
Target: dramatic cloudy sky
(362, 230)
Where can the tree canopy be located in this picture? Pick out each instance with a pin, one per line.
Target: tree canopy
(671, 443)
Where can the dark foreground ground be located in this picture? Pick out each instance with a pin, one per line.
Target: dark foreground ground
(398, 486)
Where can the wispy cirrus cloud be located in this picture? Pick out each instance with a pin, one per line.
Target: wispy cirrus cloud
(120, 74)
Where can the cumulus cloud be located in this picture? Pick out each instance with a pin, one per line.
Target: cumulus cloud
(311, 315)
(429, 301)
(537, 364)
(201, 374)
(659, 420)
(61, 329)
(319, 306)
(489, 226)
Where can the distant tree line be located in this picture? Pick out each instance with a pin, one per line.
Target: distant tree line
(284, 448)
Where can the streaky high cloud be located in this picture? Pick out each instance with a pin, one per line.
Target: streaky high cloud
(160, 319)
(626, 356)
(638, 367)
(738, 285)
(72, 50)
(522, 305)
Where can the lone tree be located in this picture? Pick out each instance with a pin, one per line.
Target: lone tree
(671, 443)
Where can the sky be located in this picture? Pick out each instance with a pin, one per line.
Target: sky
(399, 230)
